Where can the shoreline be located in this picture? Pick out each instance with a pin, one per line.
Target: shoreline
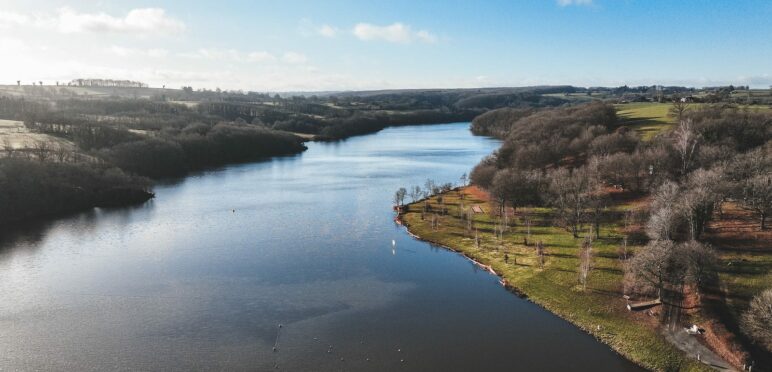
(476, 257)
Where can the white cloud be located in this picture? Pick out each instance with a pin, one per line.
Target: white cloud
(574, 2)
(137, 20)
(393, 33)
(126, 52)
(328, 31)
(260, 57)
(10, 19)
(218, 54)
(233, 55)
(294, 58)
(67, 20)
(426, 37)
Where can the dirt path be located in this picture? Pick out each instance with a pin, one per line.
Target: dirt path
(692, 347)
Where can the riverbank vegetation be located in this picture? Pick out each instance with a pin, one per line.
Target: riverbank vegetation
(585, 215)
(32, 188)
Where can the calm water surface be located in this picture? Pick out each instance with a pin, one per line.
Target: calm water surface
(185, 282)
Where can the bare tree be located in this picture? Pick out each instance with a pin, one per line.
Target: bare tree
(757, 195)
(430, 187)
(415, 193)
(399, 196)
(42, 150)
(664, 217)
(540, 254)
(651, 265)
(62, 154)
(701, 263)
(8, 147)
(412, 194)
(585, 261)
(526, 216)
(699, 199)
(629, 218)
(685, 142)
(469, 221)
(598, 201)
(757, 321)
(680, 105)
(570, 196)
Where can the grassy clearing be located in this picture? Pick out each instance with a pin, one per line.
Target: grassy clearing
(575, 97)
(649, 119)
(556, 286)
(15, 134)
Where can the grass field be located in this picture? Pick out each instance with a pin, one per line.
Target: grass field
(649, 119)
(15, 134)
(599, 310)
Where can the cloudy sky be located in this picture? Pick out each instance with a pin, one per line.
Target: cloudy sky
(345, 45)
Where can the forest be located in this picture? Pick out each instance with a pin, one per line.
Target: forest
(670, 196)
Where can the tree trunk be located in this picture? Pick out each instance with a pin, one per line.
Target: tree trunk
(597, 229)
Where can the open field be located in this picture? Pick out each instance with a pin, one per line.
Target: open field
(18, 137)
(576, 97)
(599, 310)
(63, 91)
(649, 119)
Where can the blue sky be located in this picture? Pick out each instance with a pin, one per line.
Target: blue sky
(343, 45)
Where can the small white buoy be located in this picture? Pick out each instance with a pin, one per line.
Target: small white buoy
(393, 242)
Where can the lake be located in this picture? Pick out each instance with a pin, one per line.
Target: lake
(201, 277)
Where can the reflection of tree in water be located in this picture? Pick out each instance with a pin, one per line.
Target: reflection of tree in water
(28, 235)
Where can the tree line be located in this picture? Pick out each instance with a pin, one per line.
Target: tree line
(31, 189)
